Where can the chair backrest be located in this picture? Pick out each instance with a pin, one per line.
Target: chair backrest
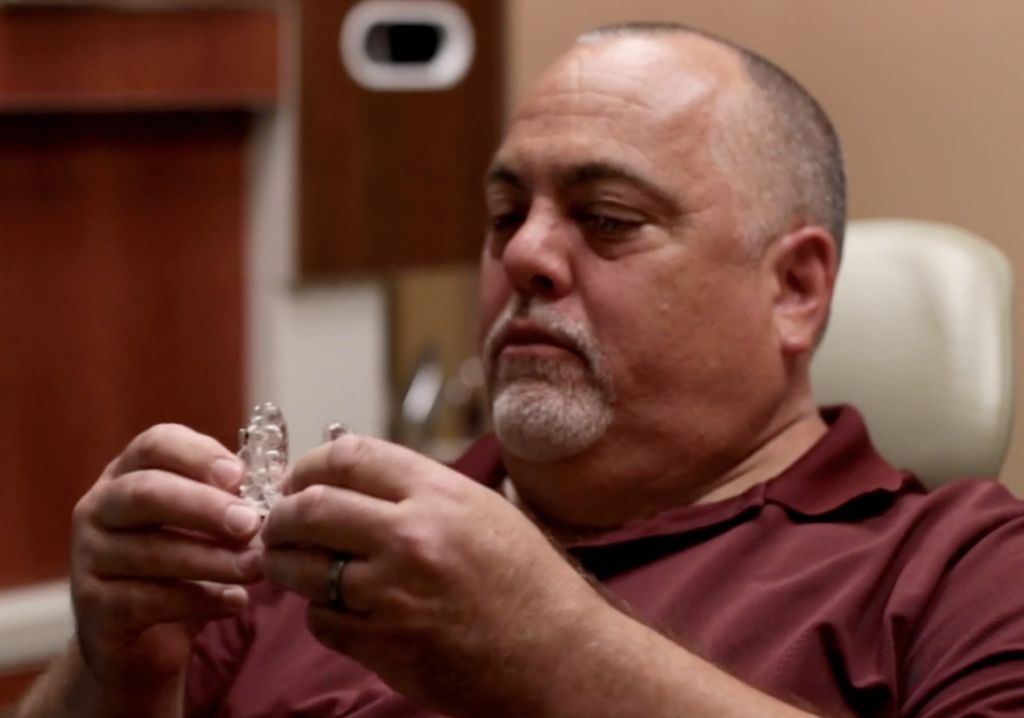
(920, 340)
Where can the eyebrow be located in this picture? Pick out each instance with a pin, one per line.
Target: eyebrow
(500, 173)
(602, 171)
(587, 173)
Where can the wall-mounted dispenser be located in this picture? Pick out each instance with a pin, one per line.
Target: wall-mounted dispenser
(411, 45)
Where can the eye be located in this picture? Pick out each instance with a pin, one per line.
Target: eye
(505, 222)
(502, 225)
(507, 209)
(607, 226)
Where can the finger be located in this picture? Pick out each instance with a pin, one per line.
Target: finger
(179, 450)
(307, 573)
(370, 466)
(331, 518)
(158, 498)
(301, 571)
(167, 554)
(127, 606)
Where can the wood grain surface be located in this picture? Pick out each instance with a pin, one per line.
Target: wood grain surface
(74, 59)
(120, 304)
(393, 179)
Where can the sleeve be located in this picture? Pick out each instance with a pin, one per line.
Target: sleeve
(219, 651)
(966, 652)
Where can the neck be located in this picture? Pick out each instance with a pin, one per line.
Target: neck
(771, 458)
(615, 497)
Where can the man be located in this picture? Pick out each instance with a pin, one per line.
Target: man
(672, 529)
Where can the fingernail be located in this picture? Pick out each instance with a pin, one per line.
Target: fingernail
(235, 598)
(227, 472)
(241, 520)
(250, 563)
(335, 429)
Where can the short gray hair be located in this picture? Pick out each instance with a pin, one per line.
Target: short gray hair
(789, 140)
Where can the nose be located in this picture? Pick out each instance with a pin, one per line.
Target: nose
(537, 257)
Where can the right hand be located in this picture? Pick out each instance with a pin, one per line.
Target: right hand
(159, 548)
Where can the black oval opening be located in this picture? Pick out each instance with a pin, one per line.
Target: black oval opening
(404, 43)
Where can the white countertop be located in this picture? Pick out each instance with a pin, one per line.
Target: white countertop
(35, 624)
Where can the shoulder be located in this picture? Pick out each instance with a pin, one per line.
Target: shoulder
(974, 531)
(968, 530)
(963, 512)
(964, 550)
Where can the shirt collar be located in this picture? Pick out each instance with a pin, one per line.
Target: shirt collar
(841, 467)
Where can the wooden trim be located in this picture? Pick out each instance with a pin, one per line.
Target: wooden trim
(13, 686)
(59, 60)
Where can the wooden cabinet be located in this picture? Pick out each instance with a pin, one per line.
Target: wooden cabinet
(120, 303)
(122, 181)
(393, 178)
(123, 161)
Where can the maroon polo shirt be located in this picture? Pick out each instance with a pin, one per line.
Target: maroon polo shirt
(841, 586)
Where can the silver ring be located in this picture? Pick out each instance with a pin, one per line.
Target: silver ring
(333, 580)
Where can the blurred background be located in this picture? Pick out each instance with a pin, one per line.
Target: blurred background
(204, 205)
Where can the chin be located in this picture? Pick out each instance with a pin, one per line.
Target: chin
(542, 423)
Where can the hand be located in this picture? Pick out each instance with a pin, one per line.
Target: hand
(456, 599)
(157, 544)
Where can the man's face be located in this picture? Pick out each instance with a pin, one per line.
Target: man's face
(619, 297)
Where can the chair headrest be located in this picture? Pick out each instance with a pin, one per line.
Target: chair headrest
(920, 340)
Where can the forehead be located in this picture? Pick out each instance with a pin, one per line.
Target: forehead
(649, 103)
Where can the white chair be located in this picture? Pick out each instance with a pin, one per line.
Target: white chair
(920, 340)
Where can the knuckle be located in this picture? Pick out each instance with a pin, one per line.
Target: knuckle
(449, 486)
(147, 446)
(83, 550)
(110, 470)
(82, 513)
(312, 504)
(420, 539)
(85, 509)
(243, 567)
(86, 596)
(349, 452)
(144, 490)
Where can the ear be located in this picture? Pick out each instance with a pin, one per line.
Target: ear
(804, 265)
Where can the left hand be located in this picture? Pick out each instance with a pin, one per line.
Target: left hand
(456, 599)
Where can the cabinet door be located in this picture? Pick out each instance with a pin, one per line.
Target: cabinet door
(122, 186)
(120, 304)
(393, 178)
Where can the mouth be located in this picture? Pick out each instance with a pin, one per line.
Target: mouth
(529, 339)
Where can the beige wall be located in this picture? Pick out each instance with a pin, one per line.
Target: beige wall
(927, 95)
